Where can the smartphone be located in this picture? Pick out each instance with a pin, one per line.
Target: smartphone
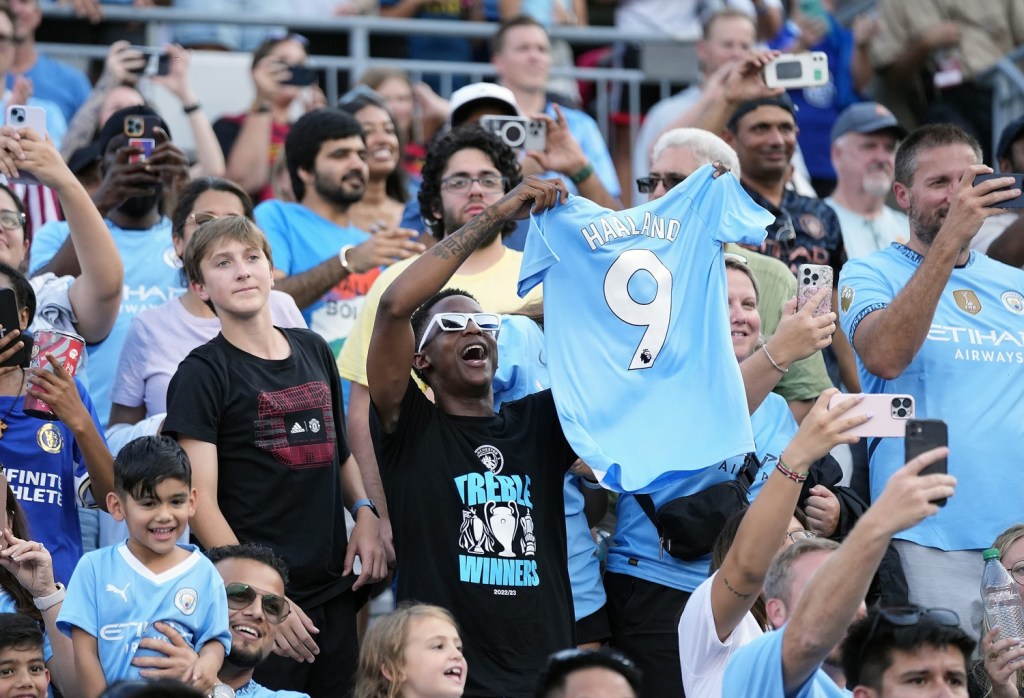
(140, 125)
(302, 75)
(518, 132)
(889, 413)
(148, 52)
(163, 65)
(924, 435)
(796, 70)
(10, 321)
(1019, 180)
(811, 278)
(22, 116)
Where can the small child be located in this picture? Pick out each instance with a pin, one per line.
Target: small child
(117, 593)
(22, 669)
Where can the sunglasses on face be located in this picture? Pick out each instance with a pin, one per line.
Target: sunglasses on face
(275, 608)
(456, 322)
(648, 184)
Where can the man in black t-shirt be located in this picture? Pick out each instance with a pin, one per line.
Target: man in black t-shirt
(476, 497)
(258, 410)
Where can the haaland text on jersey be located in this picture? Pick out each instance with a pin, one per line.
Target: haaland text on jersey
(988, 346)
(621, 226)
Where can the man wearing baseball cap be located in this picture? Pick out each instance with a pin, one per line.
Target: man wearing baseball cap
(1002, 236)
(864, 139)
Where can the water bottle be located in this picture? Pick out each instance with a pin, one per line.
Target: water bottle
(1001, 596)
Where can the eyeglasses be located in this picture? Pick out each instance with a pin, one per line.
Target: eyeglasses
(800, 534)
(903, 616)
(12, 220)
(1017, 572)
(459, 184)
(648, 184)
(456, 322)
(241, 596)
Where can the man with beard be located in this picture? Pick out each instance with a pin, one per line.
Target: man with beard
(132, 198)
(864, 141)
(942, 322)
(320, 259)
(255, 579)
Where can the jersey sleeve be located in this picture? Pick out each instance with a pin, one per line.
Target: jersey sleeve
(45, 243)
(129, 387)
(194, 400)
(733, 216)
(538, 255)
(863, 289)
(53, 302)
(271, 220)
(215, 626)
(80, 608)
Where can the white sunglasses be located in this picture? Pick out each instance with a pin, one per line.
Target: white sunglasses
(456, 322)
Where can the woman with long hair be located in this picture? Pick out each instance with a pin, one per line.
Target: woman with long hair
(1000, 674)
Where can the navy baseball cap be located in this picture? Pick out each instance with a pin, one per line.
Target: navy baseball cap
(1009, 135)
(745, 108)
(115, 124)
(866, 117)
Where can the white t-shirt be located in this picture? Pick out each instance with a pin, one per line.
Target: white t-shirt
(702, 656)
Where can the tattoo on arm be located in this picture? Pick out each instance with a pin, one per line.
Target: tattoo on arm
(736, 593)
(461, 244)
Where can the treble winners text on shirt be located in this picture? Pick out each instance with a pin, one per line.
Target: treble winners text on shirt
(613, 227)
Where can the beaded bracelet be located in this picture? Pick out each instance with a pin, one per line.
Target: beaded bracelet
(791, 474)
(764, 348)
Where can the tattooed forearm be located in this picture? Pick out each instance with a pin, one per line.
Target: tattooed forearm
(729, 587)
(463, 242)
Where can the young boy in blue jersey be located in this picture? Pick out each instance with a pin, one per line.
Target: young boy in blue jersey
(23, 672)
(117, 593)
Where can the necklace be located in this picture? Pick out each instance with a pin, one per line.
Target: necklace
(4, 426)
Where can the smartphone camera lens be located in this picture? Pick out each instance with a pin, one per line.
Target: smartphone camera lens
(18, 115)
(907, 403)
(814, 276)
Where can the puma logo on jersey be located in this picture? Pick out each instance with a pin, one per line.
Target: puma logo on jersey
(123, 593)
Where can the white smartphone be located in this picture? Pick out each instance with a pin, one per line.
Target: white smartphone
(24, 116)
(796, 70)
(889, 413)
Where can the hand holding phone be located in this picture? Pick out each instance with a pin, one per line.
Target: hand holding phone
(9, 322)
(810, 279)
(797, 70)
(1018, 183)
(21, 116)
(924, 435)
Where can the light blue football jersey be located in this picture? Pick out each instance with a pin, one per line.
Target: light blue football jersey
(969, 373)
(637, 329)
(116, 599)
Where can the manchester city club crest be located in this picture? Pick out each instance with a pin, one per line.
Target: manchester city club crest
(491, 458)
(1013, 301)
(846, 295)
(185, 601)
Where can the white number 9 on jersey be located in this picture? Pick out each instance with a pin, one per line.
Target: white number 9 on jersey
(655, 315)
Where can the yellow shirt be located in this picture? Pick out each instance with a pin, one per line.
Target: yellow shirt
(494, 288)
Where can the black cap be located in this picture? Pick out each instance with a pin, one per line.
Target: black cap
(115, 124)
(782, 101)
(84, 157)
(1009, 136)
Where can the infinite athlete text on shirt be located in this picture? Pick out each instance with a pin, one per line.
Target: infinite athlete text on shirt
(610, 228)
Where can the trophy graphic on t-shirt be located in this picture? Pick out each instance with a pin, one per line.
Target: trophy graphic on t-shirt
(529, 541)
(503, 521)
(473, 534)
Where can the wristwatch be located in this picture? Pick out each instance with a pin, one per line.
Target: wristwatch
(44, 603)
(365, 502)
(221, 690)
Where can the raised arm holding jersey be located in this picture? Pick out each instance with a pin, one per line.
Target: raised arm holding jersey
(479, 524)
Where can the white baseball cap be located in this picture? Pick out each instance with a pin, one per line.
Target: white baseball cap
(464, 97)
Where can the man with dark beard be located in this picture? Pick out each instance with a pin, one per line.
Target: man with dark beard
(134, 194)
(939, 321)
(320, 259)
(254, 578)
(864, 139)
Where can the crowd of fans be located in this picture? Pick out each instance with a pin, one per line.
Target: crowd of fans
(290, 399)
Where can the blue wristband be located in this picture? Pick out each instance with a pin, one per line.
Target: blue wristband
(364, 502)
